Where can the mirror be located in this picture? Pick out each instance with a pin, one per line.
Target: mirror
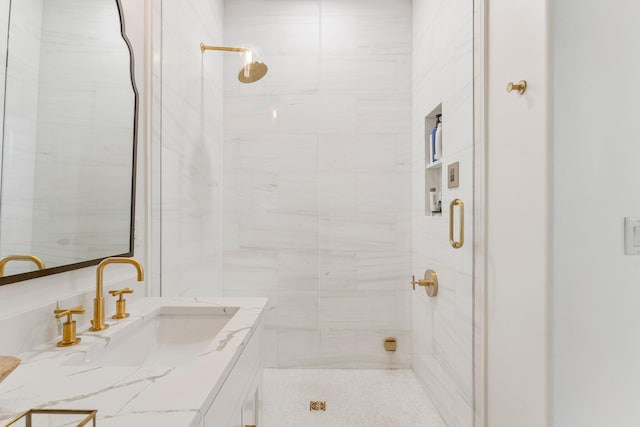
(69, 137)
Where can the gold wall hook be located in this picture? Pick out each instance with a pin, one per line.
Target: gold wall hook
(430, 282)
(521, 86)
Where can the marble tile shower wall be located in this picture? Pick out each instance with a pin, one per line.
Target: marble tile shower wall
(317, 178)
(190, 145)
(443, 326)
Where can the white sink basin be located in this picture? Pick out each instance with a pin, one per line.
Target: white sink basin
(169, 336)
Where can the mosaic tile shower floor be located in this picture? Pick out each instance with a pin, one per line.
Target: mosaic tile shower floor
(355, 398)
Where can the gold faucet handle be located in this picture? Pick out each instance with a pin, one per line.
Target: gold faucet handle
(68, 327)
(68, 312)
(121, 303)
(120, 292)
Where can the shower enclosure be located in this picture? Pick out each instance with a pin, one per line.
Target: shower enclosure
(309, 186)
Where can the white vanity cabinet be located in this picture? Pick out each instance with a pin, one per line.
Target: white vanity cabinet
(239, 401)
(252, 403)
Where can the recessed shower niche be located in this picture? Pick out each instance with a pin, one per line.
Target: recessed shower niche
(433, 162)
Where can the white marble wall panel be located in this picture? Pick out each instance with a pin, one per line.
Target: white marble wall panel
(317, 177)
(443, 326)
(191, 148)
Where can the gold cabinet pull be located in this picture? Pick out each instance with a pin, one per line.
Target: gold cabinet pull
(456, 244)
(521, 86)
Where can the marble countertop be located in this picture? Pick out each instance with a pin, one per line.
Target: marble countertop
(128, 396)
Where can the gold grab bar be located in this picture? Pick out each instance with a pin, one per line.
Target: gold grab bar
(456, 244)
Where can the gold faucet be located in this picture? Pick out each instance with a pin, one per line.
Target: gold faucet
(97, 324)
(37, 261)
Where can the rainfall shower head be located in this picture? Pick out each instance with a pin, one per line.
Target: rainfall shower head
(252, 72)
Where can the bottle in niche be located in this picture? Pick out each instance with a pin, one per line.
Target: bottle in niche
(429, 148)
(433, 144)
(434, 206)
(437, 154)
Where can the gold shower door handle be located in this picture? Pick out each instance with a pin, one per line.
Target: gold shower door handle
(456, 244)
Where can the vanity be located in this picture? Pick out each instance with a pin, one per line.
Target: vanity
(192, 362)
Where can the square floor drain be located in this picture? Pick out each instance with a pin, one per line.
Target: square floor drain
(317, 405)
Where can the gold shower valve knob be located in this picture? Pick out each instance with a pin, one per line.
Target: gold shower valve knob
(520, 87)
(430, 282)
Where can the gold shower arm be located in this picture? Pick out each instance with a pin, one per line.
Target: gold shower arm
(204, 47)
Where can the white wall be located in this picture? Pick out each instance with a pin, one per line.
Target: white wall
(596, 294)
(517, 250)
(443, 325)
(26, 308)
(317, 200)
(187, 92)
